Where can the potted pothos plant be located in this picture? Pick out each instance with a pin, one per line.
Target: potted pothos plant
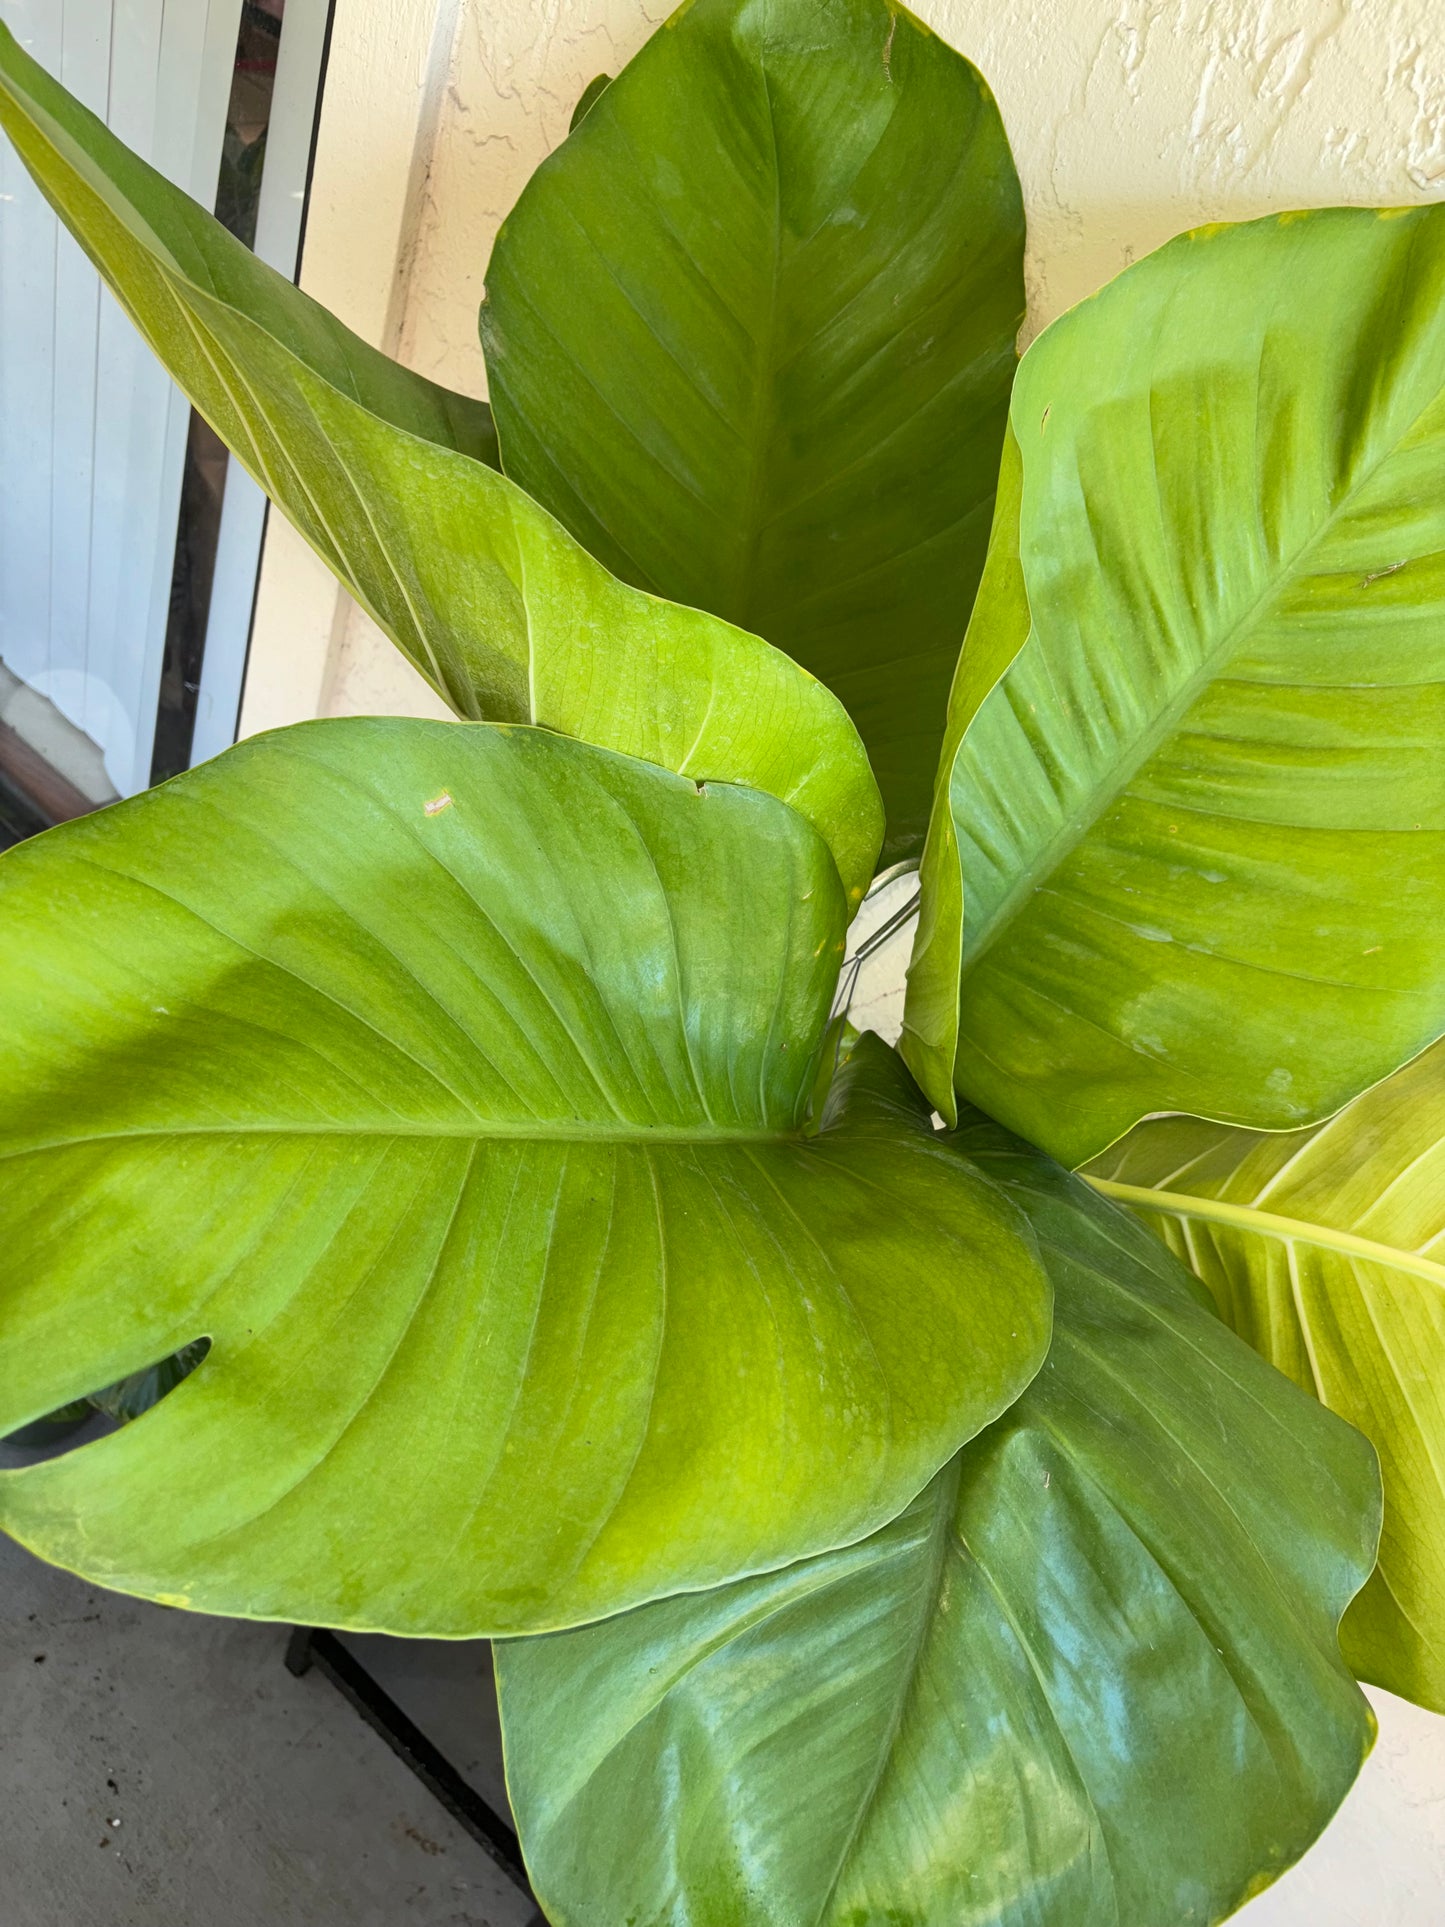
(904, 1486)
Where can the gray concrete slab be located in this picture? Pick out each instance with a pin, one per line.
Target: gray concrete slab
(163, 1769)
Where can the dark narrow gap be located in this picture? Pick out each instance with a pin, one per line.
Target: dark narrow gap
(112, 1405)
(203, 487)
(19, 816)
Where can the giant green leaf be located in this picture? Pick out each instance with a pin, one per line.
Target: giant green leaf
(1088, 1678)
(1326, 1250)
(1198, 819)
(429, 1071)
(387, 477)
(750, 333)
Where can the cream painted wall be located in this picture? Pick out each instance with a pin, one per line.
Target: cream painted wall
(1130, 119)
(386, 78)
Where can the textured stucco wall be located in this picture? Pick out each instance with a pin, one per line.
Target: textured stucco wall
(1131, 119)
(1136, 119)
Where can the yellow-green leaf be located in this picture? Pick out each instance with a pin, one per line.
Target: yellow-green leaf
(431, 1072)
(1325, 1249)
(1195, 850)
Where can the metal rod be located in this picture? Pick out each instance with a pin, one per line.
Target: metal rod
(313, 1646)
(887, 929)
(848, 977)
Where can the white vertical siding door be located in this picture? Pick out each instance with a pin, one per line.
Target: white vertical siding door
(92, 431)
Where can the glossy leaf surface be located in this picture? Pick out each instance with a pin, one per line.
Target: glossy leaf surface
(431, 1073)
(1325, 1249)
(1197, 808)
(1089, 1677)
(387, 478)
(750, 333)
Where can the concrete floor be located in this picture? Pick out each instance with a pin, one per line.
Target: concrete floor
(160, 1769)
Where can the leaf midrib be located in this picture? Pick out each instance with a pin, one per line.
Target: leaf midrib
(764, 410)
(1103, 796)
(573, 1131)
(1243, 1217)
(940, 1539)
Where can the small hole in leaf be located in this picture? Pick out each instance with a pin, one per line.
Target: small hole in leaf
(106, 1410)
(134, 1395)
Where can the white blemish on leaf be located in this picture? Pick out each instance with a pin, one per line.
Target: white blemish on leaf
(438, 804)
